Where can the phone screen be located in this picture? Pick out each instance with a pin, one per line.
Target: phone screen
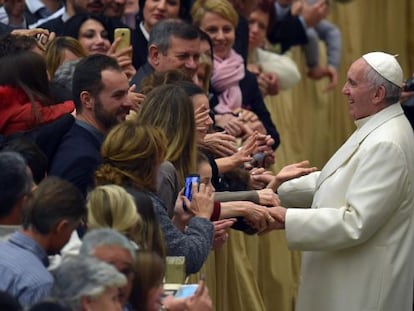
(188, 191)
(186, 291)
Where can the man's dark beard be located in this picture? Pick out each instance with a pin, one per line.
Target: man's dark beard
(107, 120)
(81, 10)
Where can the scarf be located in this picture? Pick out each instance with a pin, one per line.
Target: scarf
(225, 80)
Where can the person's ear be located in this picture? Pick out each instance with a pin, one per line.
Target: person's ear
(86, 303)
(154, 55)
(86, 99)
(62, 226)
(379, 95)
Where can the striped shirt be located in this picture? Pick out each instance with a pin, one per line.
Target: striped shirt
(23, 270)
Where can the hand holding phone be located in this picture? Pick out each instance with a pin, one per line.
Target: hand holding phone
(188, 187)
(186, 291)
(125, 38)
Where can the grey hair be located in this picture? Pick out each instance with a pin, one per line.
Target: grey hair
(78, 277)
(163, 31)
(105, 237)
(392, 91)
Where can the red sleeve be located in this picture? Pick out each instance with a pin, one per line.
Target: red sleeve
(216, 212)
(53, 112)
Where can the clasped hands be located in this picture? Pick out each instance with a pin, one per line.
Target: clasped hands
(266, 219)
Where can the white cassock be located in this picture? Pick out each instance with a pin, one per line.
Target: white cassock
(358, 235)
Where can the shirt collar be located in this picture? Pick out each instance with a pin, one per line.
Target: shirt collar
(281, 12)
(34, 5)
(65, 16)
(94, 131)
(23, 241)
(144, 31)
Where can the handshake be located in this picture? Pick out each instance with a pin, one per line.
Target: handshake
(275, 219)
(278, 214)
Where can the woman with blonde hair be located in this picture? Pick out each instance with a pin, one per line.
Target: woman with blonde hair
(132, 154)
(60, 50)
(204, 70)
(113, 207)
(236, 91)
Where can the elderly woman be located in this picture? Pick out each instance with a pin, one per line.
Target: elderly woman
(235, 89)
(87, 284)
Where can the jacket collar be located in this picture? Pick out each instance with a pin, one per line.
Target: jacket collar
(364, 128)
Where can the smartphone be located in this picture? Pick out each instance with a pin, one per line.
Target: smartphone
(188, 186)
(125, 35)
(186, 291)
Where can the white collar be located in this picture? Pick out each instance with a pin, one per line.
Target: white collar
(144, 31)
(34, 5)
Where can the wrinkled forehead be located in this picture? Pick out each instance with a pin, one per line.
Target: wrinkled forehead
(357, 68)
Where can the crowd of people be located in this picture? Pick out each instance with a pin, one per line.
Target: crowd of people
(97, 140)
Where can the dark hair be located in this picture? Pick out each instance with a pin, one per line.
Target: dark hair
(160, 78)
(267, 6)
(73, 25)
(202, 157)
(11, 44)
(53, 200)
(34, 156)
(184, 14)
(205, 37)
(8, 302)
(87, 76)
(48, 306)
(15, 182)
(152, 233)
(26, 70)
(164, 30)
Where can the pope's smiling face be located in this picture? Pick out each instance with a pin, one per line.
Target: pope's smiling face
(359, 91)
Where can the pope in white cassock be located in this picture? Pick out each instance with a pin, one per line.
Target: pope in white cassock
(357, 237)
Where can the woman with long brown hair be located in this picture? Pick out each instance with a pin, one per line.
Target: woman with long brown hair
(132, 154)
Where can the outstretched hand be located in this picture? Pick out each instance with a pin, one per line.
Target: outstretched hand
(291, 171)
